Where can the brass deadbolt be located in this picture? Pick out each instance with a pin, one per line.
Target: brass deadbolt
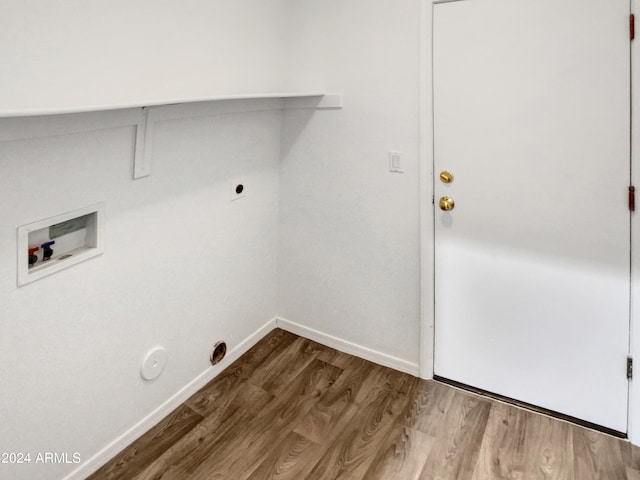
(447, 204)
(446, 177)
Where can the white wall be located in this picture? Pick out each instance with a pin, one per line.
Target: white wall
(181, 261)
(349, 263)
(180, 258)
(342, 234)
(79, 54)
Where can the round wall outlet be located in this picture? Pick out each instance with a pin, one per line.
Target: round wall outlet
(154, 363)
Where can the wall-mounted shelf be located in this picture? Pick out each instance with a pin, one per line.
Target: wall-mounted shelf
(153, 114)
(298, 100)
(145, 115)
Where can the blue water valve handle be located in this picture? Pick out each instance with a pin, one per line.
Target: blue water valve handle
(47, 251)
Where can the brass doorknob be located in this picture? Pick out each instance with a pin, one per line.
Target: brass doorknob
(447, 204)
(446, 177)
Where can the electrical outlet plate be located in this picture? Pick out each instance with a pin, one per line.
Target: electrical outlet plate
(238, 189)
(78, 236)
(395, 162)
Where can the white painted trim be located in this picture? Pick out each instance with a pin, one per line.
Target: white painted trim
(426, 195)
(117, 445)
(152, 103)
(162, 113)
(324, 102)
(348, 347)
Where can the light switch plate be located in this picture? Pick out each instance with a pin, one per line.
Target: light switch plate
(395, 162)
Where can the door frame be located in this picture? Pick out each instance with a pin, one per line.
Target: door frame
(427, 219)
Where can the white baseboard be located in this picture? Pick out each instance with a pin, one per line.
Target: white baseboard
(349, 347)
(112, 449)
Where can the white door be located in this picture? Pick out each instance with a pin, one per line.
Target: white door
(531, 118)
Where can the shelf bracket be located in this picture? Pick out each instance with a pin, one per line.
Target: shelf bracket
(149, 115)
(142, 156)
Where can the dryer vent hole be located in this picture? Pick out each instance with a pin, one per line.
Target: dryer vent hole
(218, 353)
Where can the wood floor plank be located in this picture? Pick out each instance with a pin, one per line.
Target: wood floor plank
(402, 456)
(274, 375)
(141, 453)
(632, 456)
(291, 459)
(597, 457)
(349, 456)
(335, 357)
(406, 449)
(430, 402)
(632, 473)
(521, 444)
(382, 378)
(503, 455)
(458, 444)
(549, 445)
(206, 399)
(338, 405)
(350, 383)
(233, 413)
(323, 423)
(245, 448)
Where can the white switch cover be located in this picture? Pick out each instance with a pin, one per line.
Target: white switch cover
(395, 164)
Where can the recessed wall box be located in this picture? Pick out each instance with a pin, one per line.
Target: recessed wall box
(63, 241)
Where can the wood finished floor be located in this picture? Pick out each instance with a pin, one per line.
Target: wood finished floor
(291, 409)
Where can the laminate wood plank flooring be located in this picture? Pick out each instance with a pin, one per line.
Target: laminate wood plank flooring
(292, 409)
